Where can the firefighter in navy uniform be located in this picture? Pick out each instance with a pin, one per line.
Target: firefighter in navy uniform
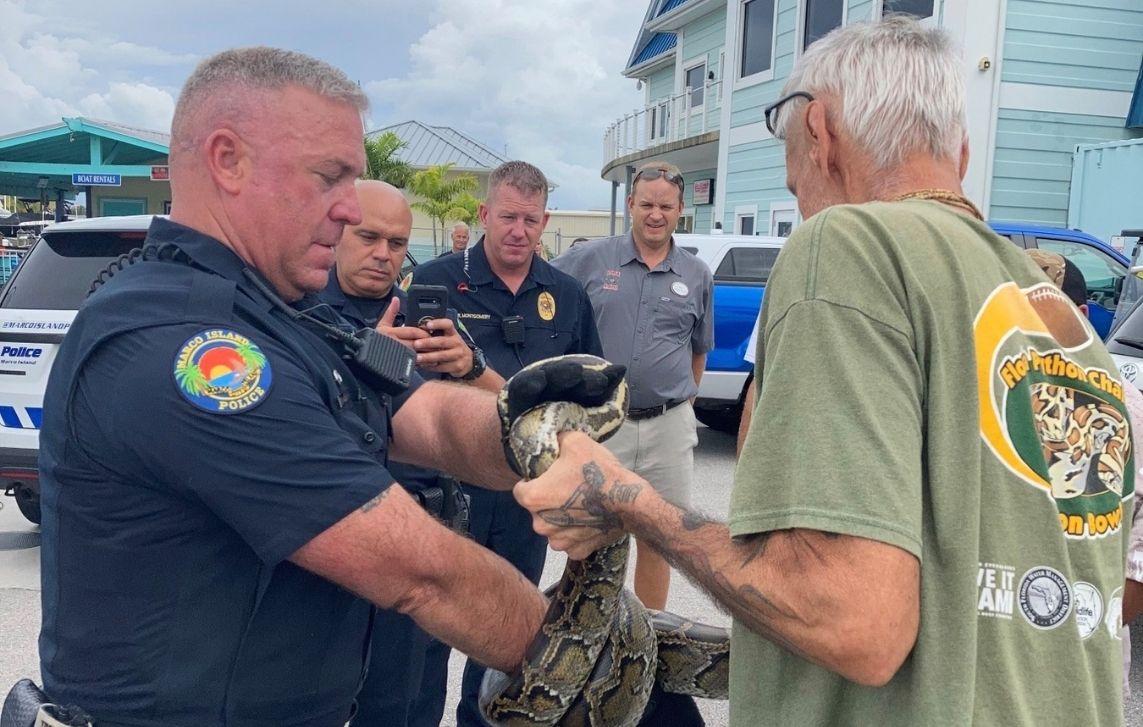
(518, 309)
(217, 511)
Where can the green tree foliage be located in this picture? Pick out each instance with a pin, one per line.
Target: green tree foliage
(381, 160)
(444, 197)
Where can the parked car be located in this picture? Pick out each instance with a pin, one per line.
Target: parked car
(37, 307)
(741, 265)
(1103, 267)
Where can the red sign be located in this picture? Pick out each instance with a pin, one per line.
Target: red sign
(702, 191)
(160, 173)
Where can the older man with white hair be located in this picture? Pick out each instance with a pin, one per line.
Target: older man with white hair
(927, 521)
(460, 235)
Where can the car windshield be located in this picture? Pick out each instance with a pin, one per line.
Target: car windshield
(59, 269)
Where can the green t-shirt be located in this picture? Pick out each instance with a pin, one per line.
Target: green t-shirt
(923, 386)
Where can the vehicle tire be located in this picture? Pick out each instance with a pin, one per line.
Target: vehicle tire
(722, 418)
(28, 500)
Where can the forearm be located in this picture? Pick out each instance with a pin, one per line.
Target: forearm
(393, 554)
(455, 428)
(1132, 601)
(698, 366)
(747, 413)
(478, 603)
(810, 592)
(489, 381)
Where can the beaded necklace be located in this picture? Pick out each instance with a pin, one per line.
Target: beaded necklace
(943, 195)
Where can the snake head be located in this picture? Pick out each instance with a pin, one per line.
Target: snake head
(593, 393)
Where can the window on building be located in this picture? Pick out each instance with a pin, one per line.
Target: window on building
(745, 224)
(686, 223)
(783, 217)
(695, 78)
(821, 17)
(920, 8)
(757, 37)
(747, 265)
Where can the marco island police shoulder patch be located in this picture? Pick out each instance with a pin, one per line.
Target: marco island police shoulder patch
(222, 372)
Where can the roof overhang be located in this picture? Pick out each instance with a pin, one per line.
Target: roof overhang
(643, 69)
(685, 13)
(694, 152)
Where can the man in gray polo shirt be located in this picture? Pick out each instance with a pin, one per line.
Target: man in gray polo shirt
(652, 303)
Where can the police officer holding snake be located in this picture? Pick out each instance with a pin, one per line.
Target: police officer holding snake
(519, 310)
(219, 522)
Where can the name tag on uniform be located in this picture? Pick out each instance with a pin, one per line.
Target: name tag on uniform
(679, 288)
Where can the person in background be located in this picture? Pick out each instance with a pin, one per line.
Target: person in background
(926, 526)
(652, 302)
(459, 236)
(1067, 277)
(519, 310)
(361, 288)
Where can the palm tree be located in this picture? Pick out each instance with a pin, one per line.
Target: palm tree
(252, 357)
(191, 379)
(381, 160)
(442, 197)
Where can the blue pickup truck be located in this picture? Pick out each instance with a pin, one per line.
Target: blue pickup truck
(741, 266)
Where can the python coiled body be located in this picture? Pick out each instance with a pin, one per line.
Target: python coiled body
(599, 651)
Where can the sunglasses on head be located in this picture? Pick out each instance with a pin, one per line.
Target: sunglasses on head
(771, 111)
(655, 173)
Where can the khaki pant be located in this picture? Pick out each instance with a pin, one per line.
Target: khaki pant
(661, 451)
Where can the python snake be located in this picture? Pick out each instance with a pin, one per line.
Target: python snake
(599, 651)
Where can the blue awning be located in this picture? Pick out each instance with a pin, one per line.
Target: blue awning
(659, 44)
(1135, 113)
(668, 6)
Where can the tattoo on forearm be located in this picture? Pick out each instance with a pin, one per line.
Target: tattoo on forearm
(375, 501)
(694, 520)
(755, 546)
(588, 506)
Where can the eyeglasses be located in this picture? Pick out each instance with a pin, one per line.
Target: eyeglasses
(655, 173)
(771, 111)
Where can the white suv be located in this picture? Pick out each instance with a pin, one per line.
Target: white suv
(36, 310)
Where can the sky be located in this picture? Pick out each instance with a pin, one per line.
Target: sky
(538, 77)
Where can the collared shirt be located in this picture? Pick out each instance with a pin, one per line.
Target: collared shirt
(362, 312)
(651, 320)
(195, 437)
(555, 312)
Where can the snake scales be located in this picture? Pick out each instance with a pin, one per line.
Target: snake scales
(599, 651)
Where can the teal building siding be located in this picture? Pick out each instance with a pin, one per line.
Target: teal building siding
(702, 212)
(1031, 175)
(756, 175)
(661, 83)
(704, 39)
(1093, 44)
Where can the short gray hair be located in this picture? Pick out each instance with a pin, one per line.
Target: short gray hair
(460, 225)
(520, 176)
(259, 68)
(900, 85)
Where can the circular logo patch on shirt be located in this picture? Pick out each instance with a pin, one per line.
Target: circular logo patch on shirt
(679, 288)
(546, 306)
(1114, 618)
(222, 372)
(1045, 597)
(1088, 608)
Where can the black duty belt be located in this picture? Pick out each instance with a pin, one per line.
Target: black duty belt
(652, 412)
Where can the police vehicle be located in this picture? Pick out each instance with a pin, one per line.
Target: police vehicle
(37, 307)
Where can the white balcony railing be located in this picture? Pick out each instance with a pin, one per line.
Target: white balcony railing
(670, 119)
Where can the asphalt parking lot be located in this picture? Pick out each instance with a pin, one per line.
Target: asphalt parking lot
(714, 467)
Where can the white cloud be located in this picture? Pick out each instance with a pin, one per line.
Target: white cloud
(542, 77)
(135, 104)
(44, 75)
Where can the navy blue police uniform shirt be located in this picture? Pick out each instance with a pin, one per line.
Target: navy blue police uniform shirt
(194, 438)
(364, 313)
(557, 314)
